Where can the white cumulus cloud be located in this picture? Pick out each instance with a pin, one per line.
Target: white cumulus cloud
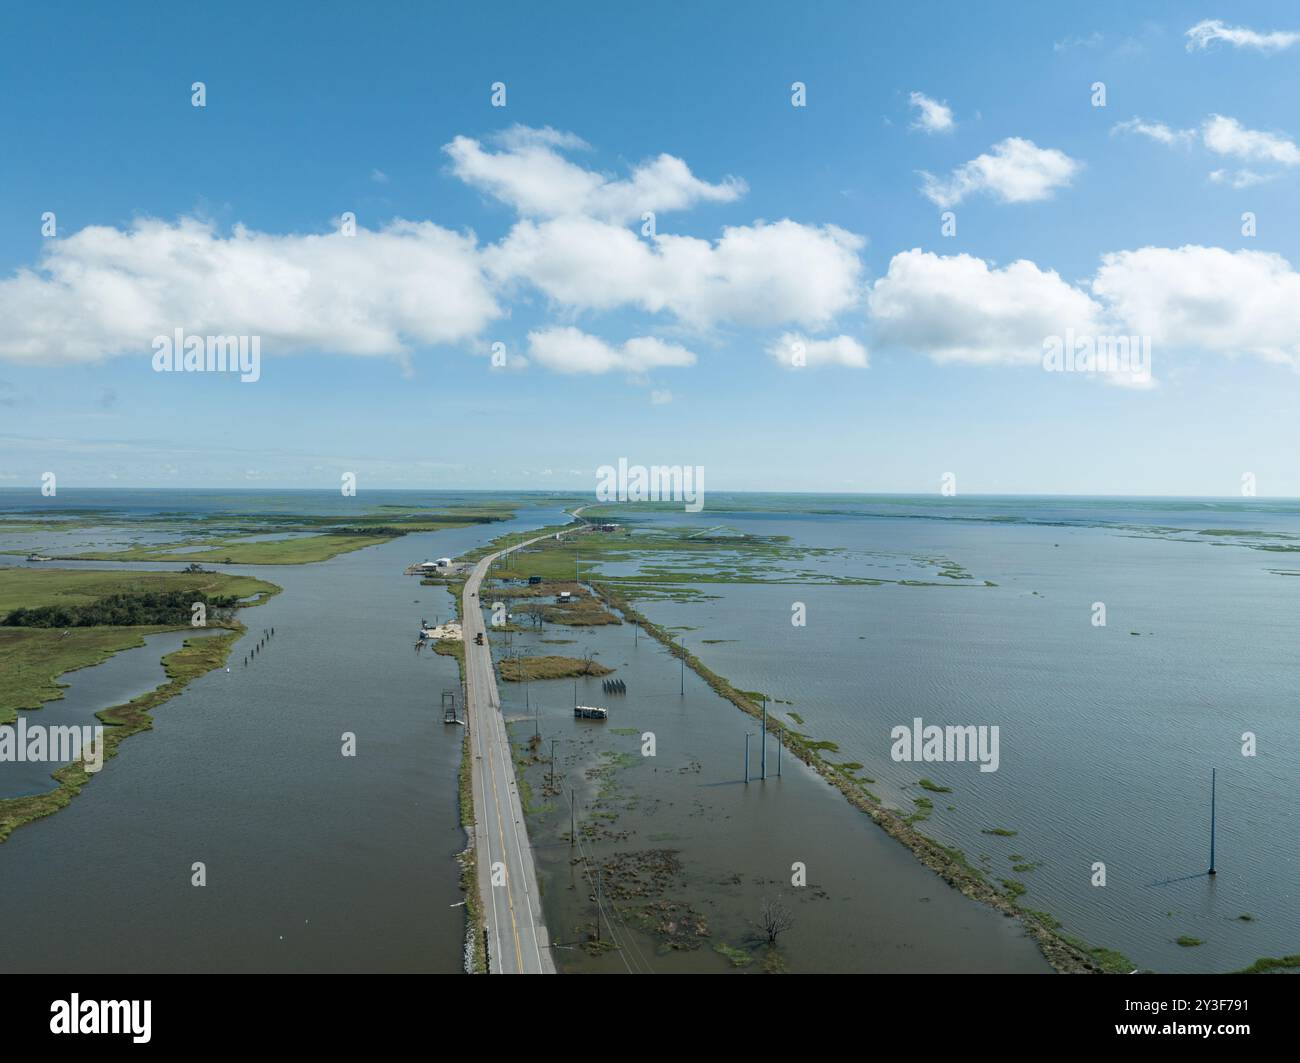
(530, 175)
(793, 349)
(1209, 298)
(1014, 170)
(958, 308)
(763, 274)
(104, 291)
(1205, 33)
(1227, 136)
(932, 116)
(961, 309)
(570, 350)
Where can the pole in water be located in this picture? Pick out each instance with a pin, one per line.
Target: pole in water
(747, 734)
(1212, 787)
(765, 739)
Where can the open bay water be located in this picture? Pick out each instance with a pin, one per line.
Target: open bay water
(314, 861)
(1108, 734)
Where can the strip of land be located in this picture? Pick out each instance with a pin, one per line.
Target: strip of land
(65, 603)
(246, 539)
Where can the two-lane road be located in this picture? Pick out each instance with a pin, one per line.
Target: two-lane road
(517, 938)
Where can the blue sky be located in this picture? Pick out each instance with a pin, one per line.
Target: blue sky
(375, 351)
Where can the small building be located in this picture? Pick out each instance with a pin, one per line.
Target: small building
(428, 566)
(566, 596)
(534, 580)
(442, 562)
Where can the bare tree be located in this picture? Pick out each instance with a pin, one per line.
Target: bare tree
(776, 918)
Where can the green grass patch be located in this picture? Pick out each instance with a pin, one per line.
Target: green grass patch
(518, 669)
(36, 657)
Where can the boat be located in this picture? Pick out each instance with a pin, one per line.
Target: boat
(38, 557)
(590, 712)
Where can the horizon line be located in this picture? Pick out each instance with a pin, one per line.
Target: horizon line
(719, 491)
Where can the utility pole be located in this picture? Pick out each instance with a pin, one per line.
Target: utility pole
(747, 736)
(1212, 781)
(682, 647)
(573, 819)
(764, 761)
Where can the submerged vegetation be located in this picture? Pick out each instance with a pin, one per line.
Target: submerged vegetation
(1269, 964)
(674, 563)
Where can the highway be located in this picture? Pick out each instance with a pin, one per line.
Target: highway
(516, 933)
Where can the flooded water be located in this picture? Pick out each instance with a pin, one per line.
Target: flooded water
(314, 861)
(317, 862)
(1108, 734)
(867, 905)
